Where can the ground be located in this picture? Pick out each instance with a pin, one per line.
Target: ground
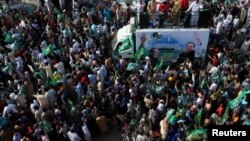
(113, 135)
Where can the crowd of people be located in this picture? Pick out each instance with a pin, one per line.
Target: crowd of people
(59, 80)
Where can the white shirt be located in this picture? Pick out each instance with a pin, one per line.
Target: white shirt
(195, 7)
(220, 54)
(219, 27)
(75, 48)
(140, 7)
(213, 87)
(73, 136)
(199, 101)
(60, 67)
(19, 60)
(87, 134)
(9, 108)
(32, 105)
(50, 95)
(236, 22)
(160, 107)
(142, 138)
(213, 70)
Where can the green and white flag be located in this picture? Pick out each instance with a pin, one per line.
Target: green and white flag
(196, 134)
(141, 52)
(8, 38)
(170, 113)
(233, 104)
(197, 117)
(133, 66)
(125, 45)
(48, 49)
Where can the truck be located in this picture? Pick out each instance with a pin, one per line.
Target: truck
(168, 44)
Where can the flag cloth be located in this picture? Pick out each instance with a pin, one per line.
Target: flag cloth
(48, 49)
(159, 65)
(59, 16)
(52, 82)
(141, 52)
(153, 88)
(225, 116)
(159, 89)
(169, 113)
(46, 126)
(71, 104)
(8, 38)
(233, 104)
(204, 82)
(197, 117)
(40, 74)
(172, 119)
(196, 134)
(125, 45)
(133, 67)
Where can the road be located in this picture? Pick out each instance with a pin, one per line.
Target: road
(113, 135)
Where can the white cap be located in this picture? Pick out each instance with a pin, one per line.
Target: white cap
(130, 90)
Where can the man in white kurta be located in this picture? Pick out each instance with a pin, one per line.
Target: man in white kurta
(49, 5)
(62, 4)
(194, 8)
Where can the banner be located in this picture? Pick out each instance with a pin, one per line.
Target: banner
(159, 41)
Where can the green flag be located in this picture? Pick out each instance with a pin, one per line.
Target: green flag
(159, 89)
(204, 82)
(196, 134)
(8, 38)
(225, 116)
(172, 119)
(197, 117)
(48, 49)
(133, 67)
(52, 82)
(140, 53)
(233, 104)
(40, 74)
(59, 15)
(71, 103)
(153, 88)
(169, 113)
(46, 126)
(159, 65)
(125, 45)
(217, 94)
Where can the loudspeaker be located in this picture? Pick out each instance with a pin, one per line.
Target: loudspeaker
(142, 20)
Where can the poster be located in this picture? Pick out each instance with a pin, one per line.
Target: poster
(173, 41)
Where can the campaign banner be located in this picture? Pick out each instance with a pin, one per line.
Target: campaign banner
(173, 40)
